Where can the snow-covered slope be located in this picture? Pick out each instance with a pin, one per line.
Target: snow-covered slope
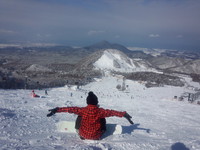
(115, 60)
(161, 123)
(153, 52)
(189, 67)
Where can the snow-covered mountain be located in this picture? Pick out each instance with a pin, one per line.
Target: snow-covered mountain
(161, 121)
(153, 52)
(189, 67)
(172, 60)
(176, 64)
(167, 62)
(115, 60)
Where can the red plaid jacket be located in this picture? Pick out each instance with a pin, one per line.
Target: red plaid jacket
(90, 124)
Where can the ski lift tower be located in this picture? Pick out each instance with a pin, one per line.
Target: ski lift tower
(123, 84)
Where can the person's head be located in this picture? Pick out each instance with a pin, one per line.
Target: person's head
(92, 99)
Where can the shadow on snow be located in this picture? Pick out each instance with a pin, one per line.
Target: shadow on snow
(7, 113)
(179, 146)
(125, 130)
(131, 128)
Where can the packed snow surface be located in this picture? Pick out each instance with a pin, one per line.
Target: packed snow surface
(161, 123)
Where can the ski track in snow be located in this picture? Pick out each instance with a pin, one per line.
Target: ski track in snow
(160, 122)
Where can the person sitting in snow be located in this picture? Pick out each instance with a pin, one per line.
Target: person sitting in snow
(33, 94)
(91, 122)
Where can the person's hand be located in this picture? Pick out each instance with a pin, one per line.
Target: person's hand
(52, 111)
(128, 117)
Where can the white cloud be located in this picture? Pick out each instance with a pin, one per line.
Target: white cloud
(154, 35)
(43, 35)
(2, 31)
(95, 32)
(179, 36)
(117, 36)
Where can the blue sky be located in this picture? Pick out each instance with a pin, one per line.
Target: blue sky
(173, 24)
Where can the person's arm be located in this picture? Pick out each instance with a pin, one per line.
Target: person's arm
(110, 113)
(75, 110)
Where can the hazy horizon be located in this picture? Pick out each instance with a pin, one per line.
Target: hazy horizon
(167, 24)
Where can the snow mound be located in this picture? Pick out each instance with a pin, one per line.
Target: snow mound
(38, 68)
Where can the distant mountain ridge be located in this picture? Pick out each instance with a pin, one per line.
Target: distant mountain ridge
(106, 45)
(50, 66)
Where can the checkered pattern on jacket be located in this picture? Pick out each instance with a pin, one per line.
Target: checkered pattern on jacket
(90, 124)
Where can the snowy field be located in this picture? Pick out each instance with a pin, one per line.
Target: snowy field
(161, 123)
